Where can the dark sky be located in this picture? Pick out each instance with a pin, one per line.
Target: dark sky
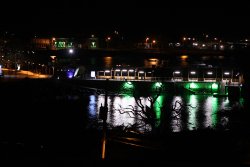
(68, 18)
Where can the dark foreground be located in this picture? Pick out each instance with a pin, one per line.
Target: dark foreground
(43, 123)
(196, 149)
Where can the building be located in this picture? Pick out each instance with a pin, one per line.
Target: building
(53, 43)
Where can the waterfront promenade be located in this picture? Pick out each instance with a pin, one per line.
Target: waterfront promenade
(14, 74)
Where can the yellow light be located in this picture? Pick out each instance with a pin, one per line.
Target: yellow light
(184, 57)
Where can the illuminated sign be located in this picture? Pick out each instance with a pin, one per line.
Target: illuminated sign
(62, 43)
(93, 44)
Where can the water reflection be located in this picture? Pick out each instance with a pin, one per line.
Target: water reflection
(176, 123)
(210, 109)
(92, 106)
(203, 112)
(192, 121)
(125, 102)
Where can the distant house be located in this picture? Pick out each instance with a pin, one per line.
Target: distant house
(92, 43)
(62, 43)
(41, 43)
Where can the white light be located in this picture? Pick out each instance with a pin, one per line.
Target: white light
(192, 72)
(226, 73)
(131, 70)
(107, 71)
(177, 44)
(92, 74)
(117, 70)
(124, 70)
(71, 51)
(141, 72)
(18, 67)
(209, 73)
(177, 72)
(76, 72)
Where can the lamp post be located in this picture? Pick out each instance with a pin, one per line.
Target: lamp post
(53, 64)
(146, 42)
(154, 44)
(175, 72)
(108, 40)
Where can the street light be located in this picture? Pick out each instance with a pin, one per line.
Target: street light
(71, 51)
(176, 72)
(193, 75)
(146, 43)
(53, 64)
(108, 40)
(154, 43)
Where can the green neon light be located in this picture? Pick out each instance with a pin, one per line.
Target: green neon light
(61, 44)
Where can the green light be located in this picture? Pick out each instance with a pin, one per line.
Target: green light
(70, 44)
(61, 44)
(158, 84)
(157, 107)
(127, 87)
(193, 86)
(93, 45)
(215, 86)
(214, 112)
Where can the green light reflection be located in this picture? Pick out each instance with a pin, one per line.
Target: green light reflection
(157, 108)
(192, 120)
(214, 112)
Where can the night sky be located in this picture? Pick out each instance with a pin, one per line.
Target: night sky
(44, 18)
